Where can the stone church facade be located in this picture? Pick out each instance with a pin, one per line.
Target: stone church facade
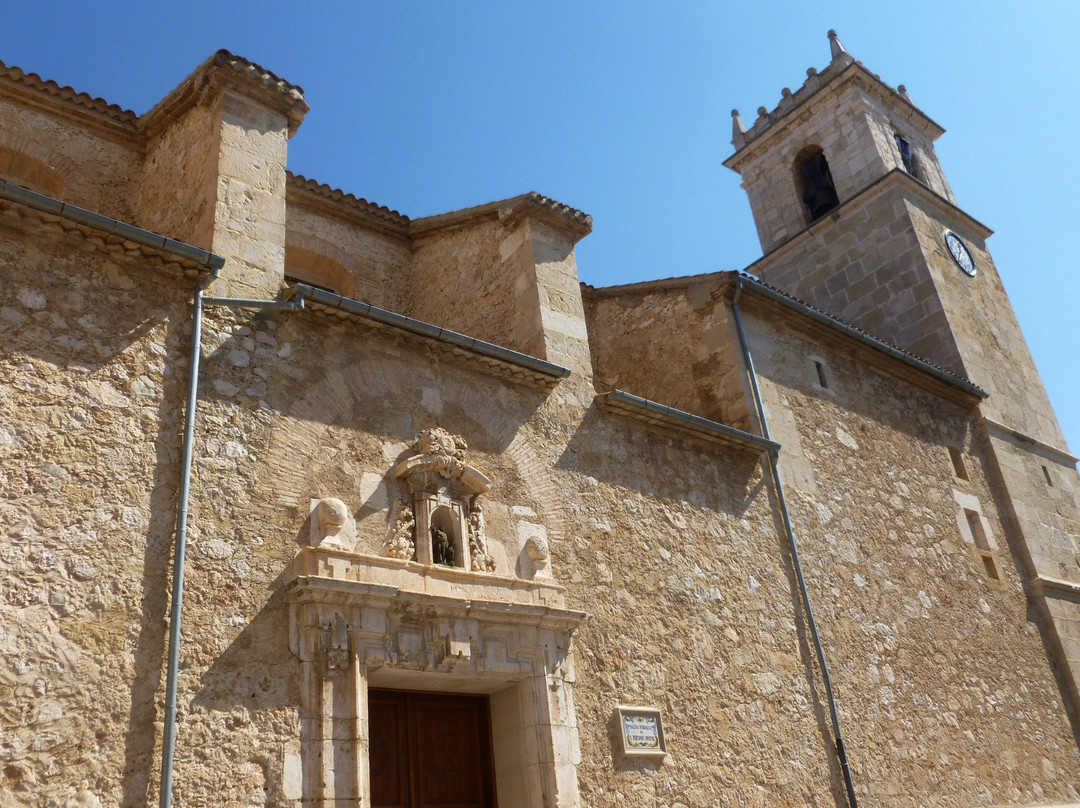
(455, 529)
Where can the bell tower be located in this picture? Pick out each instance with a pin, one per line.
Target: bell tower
(856, 217)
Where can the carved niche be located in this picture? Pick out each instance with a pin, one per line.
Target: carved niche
(442, 521)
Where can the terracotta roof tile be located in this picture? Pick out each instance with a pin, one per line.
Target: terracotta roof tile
(36, 84)
(392, 217)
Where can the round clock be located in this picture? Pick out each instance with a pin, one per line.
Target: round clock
(960, 253)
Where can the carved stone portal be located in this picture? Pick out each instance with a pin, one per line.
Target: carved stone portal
(447, 520)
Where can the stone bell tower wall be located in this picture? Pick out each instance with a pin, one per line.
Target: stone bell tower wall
(864, 264)
(854, 119)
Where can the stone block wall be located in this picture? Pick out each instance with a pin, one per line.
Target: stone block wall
(987, 334)
(672, 344)
(479, 278)
(865, 267)
(97, 167)
(852, 127)
(179, 176)
(356, 261)
(914, 629)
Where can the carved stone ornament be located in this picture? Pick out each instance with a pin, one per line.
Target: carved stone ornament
(536, 547)
(401, 536)
(332, 525)
(447, 522)
(481, 561)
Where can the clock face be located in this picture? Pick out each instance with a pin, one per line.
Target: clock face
(960, 253)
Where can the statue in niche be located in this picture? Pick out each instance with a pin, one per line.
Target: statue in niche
(442, 549)
(481, 561)
(400, 538)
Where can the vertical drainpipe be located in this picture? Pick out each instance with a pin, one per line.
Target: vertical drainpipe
(773, 456)
(168, 741)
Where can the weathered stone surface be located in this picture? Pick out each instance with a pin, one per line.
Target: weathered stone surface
(304, 585)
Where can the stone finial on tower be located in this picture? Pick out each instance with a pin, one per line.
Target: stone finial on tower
(738, 129)
(902, 92)
(835, 47)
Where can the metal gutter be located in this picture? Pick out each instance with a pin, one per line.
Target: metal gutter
(686, 420)
(896, 353)
(105, 224)
(773, 456)
(313, 294)
(248, 303)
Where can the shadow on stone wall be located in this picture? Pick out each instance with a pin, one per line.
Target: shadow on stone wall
(621, 452)
(141, 735)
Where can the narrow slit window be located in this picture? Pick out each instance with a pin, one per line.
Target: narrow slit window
(959, 469)
(977, 532)
(822, 381)
(1049, 479)
(907, 154)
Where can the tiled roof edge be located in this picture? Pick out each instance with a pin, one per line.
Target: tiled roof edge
(288, 97)
(63, 93)
(350, 201)
(738, 277)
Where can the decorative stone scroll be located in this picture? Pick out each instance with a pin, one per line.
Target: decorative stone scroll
(401, 536)
(445, 524)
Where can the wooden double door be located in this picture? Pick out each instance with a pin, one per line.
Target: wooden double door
(429, 750)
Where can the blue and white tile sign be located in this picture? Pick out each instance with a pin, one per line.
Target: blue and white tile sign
(641, 731)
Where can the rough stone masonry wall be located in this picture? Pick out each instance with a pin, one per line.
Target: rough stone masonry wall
(378, 265)
(479, 279)
(98, 171)
(942, 678)
(672, 549)
(300, 407)
(673, 346)
(178, 181)
(92, 371)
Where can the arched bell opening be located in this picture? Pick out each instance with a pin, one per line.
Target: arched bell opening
(815, 183)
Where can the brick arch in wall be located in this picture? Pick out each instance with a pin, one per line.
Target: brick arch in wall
(20, 168)
(332, 258)
(330, 401)
(317, 269)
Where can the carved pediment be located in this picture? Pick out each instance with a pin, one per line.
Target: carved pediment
(440, 464)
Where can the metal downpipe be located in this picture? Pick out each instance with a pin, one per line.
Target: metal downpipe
(168, 741)
(793, 545)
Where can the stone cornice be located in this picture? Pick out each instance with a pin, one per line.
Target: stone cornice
(225, 70)
(897, 177)
(684, 423)
(490, 358)
(571, 221)
(1026, 441)
(110, 120)
(312, 193)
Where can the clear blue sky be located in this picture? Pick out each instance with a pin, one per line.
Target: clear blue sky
(622, 109)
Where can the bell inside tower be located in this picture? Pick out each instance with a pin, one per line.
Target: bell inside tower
(816, 188)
